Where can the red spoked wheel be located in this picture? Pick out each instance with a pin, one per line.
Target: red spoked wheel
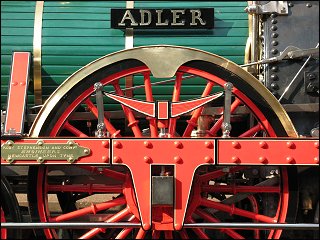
(106, 194)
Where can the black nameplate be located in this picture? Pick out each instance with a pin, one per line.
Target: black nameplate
(198, 18)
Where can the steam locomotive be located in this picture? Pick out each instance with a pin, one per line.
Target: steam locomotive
(159, 119)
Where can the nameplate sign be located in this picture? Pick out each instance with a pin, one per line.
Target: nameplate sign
(198, 18)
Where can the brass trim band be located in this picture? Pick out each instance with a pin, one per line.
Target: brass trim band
(37, 42)
(129, 44)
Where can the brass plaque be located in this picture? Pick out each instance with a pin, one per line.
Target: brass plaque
(41, 151)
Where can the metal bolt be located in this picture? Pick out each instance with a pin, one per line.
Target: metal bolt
(147, 159)
(208, 159)
(274, 86)
(274, 35)
(274, 43)
(236, 144)
(290, 160)
(14, 83)
(70, 159)
(105, 144)
(309, 5)
(105, 158)
(117, 144)
(70, 143)
(274, 77)
(275, 93)
(40, 143)
(273, 15)
(290, 4)
(10, 160)
(40, 159)
(273, 28)
(311, 76)
(208, 144)
(275, 69)
(274, 21)
(10, 143)
(316, 160)
(263, 145)
(117, 159)
(291, 145)
(263, 160)
(178, 159)
(86, 151)
(178, 144)
(147, 144)
(316, 144)
(235, 159)
(274, 51)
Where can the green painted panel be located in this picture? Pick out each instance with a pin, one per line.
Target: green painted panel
(77, 32)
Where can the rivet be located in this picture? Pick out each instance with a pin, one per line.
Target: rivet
(10, 143)
(236, 144)
(208, 144)
(10, 159)
(40, 159)
(274, 35)
(275, 69)
(274, 21)
(105, 158)
(70, 142)
(147, 144)
(86, 151)
(290, 160)
(273, 15)
(290, 4)
(117, 159)
(273, 28)
(274, 86)
(70, 159)
(263, 160)
(235, 159)
(316, 144)
(208, 159)
(147, 159)
(178, 159)
(309, 5)
(117, 144)
(274, 51)
(22, 83)
(274, 43)
(14, 83)
(105, 144)
(40, 143)
(146, 226)
(274, 77)
(263, 144)
(291, 145)
(178, 144)
(316, 160)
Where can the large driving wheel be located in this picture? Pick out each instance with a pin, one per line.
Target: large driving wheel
(219, 194)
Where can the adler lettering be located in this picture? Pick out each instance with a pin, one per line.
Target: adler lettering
(162, 18)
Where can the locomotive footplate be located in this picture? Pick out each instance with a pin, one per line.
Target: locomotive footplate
(183, 156)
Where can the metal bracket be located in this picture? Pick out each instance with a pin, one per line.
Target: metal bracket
(280, 7)
(226, 125)
(101, 127)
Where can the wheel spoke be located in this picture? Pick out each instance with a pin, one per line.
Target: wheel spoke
(215, 128)
(141, 233)
(94, 208)
(234, 189)
(219, 173)
(211, 219)
(105, 171)
(149, 98)
(155, 234)
(117, 217)
(252, 131)
(237, 211)
(175, 98)
(133, 123)
(201, 234)
(113, 132)
(124, 233)
(73, 130)
(255, 209)
(196, 113)
(183, 234)
(87, 188)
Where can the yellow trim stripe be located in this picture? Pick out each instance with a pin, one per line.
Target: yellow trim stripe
(37, 42)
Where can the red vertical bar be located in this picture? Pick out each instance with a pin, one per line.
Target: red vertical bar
(17, 94)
